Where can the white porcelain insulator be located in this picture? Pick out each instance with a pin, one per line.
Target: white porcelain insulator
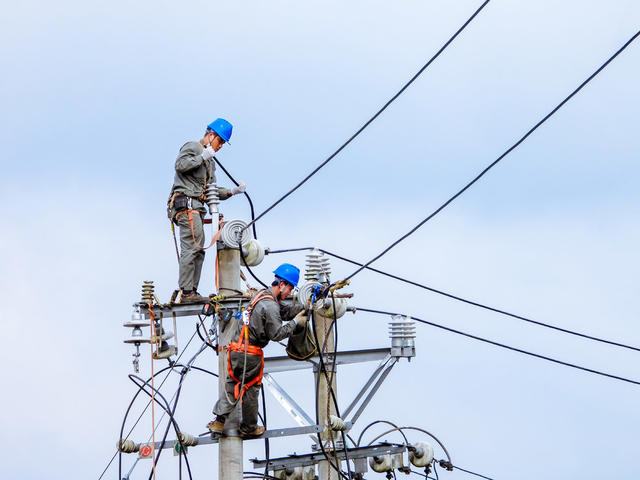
(381, 464)
(253, 252)
(235, 230)
(422, 455)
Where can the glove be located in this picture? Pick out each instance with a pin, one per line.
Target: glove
(301, 319)
(239, 189)
(207, 153)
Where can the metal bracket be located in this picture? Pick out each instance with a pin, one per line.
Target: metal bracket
(292, 461)
(288, 403)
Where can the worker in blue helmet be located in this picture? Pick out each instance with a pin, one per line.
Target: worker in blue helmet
(194, 170)
(266, 320)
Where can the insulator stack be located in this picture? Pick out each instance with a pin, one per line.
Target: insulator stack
(402, 331)
(317, 268)
(127, 446)
(235, 233)
(336, 423)
(147, 292)
(213, 198)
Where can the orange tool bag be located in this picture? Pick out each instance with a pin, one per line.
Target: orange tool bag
(242, 346)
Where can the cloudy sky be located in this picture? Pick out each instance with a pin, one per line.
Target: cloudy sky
(97, 98)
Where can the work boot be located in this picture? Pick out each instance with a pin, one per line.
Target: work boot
(193, 297)
(216, 426)
(256, 432)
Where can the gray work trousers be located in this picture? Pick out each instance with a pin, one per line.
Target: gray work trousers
(191, 257)
(224, 406)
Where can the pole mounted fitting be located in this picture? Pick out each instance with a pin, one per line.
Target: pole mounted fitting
(213, 199)
(127, 446)
(421, 454)
(147, 292)
(234, 234)
(402, 331)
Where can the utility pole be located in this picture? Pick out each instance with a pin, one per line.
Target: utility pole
(230, 447)
(326, 407)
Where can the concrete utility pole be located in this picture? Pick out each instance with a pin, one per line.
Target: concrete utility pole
(230, 448)
(326, 407)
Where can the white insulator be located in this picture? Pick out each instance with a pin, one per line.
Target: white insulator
(137, 337)
(421, 455)
(305, 291)
(381, 463)
(147, 292)
(137, 319)
(213, 198)
(294, 473)
(166, 353)
(402, 331)
(253, 253)
(309, 472)
(127, 446)
(336, 423)
(325, 308)
(188, 440)
(318, 268)
(397, 461)
(234, 230)
(164, 337)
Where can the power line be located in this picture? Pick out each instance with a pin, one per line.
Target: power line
(495, 162)
(502, 345)
(368, 122)
(464, 300)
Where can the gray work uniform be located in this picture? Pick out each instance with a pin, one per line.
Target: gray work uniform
(193, 174)
(265, 324)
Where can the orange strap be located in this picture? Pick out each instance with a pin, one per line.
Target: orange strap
(242, 345)
(190, 213)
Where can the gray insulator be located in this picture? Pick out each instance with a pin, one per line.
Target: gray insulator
(213, 199)
(127, 446)
(421, 455)
(147, 292)
(137, 337)
(234, 230)
(165, 352)
(305, 291)
(336, 423)
(188, 440)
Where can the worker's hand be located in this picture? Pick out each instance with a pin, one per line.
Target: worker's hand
(301, 319)
(239, 189)
(207, 153)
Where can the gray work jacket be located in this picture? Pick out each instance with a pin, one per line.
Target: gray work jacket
(193, 173)
(267, 318)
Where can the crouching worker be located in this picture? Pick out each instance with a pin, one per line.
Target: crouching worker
(266, 320)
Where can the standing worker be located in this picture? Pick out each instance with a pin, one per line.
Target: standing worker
(261, 322)
(186, 206)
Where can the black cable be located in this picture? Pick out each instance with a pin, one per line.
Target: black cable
(255, 235)
(368, 122)
(406, 440)
(495, 162)
(118, 453)
(469, 302)
(560, 362)
(470, 472)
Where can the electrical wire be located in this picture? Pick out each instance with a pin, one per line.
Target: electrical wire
(470, 472)
(253, 226)
(382, 421)
(469, 302)
(368, 122)
(495, 162)
(514, 349)
(446, 452)
(147, 406)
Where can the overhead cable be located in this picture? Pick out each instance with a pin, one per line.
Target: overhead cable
(464, 300)
(368, 122)
(502, 345)
(255, 235)
(495, 162)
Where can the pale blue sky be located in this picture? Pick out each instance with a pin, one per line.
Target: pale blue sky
(98, 97)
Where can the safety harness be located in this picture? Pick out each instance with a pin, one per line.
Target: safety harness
(242, 346)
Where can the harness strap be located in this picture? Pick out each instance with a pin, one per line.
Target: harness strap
(242, 345)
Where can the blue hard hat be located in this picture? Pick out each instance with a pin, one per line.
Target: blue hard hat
(288, 273)
(222, 128)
